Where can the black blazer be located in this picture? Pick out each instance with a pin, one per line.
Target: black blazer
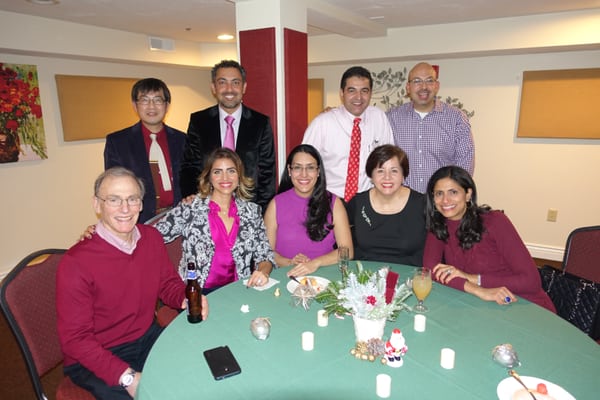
(255, 145)
(126, 148)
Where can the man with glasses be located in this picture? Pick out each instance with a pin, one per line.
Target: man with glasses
(233, 125)
(151, 149)
(433, 133)
(106, 292)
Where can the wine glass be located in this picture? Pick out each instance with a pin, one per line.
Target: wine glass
(421, 285)
(343, 260)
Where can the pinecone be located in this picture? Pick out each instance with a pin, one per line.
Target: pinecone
(375, 347)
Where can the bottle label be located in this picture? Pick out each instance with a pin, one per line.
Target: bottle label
(191, 275)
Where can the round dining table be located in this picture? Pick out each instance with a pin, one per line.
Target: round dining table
(548, 347)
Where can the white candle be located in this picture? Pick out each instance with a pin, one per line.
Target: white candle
(447, 358)
(420, 322)
(308, 341)
(383, 385)
(322, 318)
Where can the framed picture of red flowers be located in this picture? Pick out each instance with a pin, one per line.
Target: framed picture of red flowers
(22, 136)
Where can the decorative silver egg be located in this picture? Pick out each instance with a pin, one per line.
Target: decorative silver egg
(505, 355)
(260, 328)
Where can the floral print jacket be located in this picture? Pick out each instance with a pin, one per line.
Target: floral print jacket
(191, 222)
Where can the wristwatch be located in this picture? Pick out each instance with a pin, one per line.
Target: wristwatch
(127, 378)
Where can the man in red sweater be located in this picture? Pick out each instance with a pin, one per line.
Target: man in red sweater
(107, 289)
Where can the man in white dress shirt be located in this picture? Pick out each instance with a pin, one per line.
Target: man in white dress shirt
(331, 132)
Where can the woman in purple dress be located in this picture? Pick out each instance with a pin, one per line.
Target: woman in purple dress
(305, 223)
(473, 248)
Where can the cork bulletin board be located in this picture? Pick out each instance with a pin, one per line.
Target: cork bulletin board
(92, 107)
(560, 104)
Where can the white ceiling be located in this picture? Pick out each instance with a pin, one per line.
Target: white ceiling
(203, 20)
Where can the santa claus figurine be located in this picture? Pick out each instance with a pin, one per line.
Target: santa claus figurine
(395, 349)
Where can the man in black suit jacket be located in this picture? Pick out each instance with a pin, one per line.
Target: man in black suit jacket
(254, 141)
(129, 147)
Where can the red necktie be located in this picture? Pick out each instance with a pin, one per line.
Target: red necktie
(229, 139)
(353, 160)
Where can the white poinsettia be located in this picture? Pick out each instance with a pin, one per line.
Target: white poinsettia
(363, 294)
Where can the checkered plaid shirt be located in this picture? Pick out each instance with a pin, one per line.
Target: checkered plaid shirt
(442, 138)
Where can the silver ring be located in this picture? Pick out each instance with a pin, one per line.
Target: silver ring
(448, 271)
(259, 281)
(507, 299)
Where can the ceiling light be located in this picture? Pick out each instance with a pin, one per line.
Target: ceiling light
(44, 2)
(225, 37)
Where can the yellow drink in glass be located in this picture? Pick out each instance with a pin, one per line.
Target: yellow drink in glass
(421, 285)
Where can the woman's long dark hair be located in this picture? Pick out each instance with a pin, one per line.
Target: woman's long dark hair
(471, 225)
(319, 204)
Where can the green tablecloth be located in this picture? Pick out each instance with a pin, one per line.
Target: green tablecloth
(549, 348)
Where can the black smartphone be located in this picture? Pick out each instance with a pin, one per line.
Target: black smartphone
(221, 362)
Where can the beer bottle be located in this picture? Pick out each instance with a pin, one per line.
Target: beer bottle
(192, 294)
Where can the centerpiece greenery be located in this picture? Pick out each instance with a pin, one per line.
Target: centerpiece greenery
(363, 294)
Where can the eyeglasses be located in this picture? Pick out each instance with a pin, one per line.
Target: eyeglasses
(310, 169)
(157, 101)
(419, 82)
(114, 201)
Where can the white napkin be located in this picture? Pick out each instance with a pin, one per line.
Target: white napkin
(272, 282)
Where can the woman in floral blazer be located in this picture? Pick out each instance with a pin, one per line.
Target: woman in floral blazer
(223, 233)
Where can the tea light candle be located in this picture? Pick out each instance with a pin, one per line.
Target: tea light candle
(308, 341)
(383, 385)
(420, 322)
(322, 318)
(447, 358)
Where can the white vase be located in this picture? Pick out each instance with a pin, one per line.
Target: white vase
(366, 329)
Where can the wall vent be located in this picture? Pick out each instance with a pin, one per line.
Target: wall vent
(161, 44)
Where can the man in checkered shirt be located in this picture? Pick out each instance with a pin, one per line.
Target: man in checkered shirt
(432, 133)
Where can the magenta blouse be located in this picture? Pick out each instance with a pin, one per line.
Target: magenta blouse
(222, 269)
(292, 237)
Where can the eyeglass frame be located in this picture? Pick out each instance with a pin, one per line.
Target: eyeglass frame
(419, 82)
(157, 101)
(298, 169)
(111, 201)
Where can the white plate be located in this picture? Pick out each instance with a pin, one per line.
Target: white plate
(509, 386)
(321, 283)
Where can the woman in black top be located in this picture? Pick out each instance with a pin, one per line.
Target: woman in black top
(388, 220)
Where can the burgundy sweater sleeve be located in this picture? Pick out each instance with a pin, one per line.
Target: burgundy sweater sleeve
(434, 254)
(518, 272)
(75, 312)
(171, 288)
(434, 251)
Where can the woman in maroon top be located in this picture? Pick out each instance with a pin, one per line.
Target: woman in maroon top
(473, 248)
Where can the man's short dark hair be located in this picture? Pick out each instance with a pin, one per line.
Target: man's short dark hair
(227, 64)
(359, 72)
(144, 86)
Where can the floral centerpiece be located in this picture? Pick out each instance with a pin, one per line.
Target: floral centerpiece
(20, 112)
(371, 297)
(363, 294)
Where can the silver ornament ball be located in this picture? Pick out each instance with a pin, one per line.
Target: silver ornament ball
(260, 328)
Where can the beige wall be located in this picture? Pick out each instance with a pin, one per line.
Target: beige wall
(48, 203)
